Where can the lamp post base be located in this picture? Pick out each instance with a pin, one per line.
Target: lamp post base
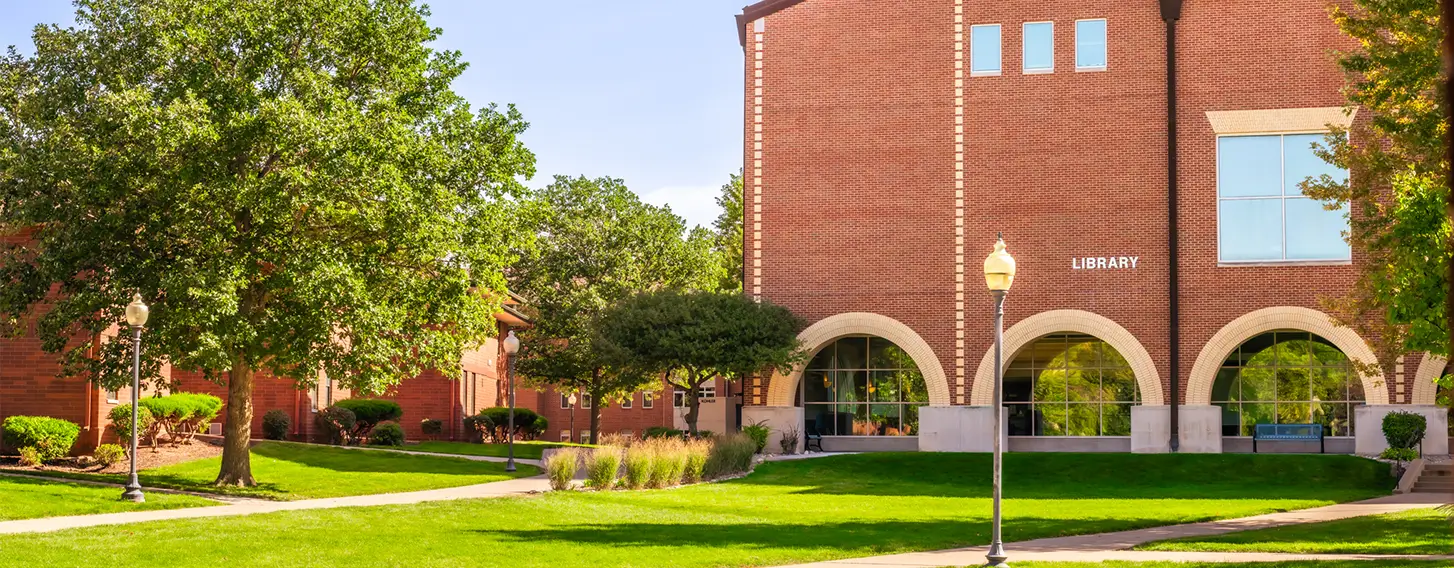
(996, 556)
(510, 467)
(133, 492)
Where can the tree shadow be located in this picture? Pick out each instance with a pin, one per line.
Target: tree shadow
(366, 461)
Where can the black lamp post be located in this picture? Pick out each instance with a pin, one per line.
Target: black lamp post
(999, 274)
(512, 346)
(136, 314)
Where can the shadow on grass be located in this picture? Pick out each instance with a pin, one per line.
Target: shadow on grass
(1085, 476)
(363, 461)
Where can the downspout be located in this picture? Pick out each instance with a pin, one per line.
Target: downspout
(1170, 13)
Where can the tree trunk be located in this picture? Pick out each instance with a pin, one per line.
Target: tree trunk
(694, 406)
(1447, 23)
(595, 417)
(237, 433)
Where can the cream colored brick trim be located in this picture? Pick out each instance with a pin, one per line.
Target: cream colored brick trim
(1204, 372)
(784, 388)
(1425, 391)
(1022, 334)
(1272, 121)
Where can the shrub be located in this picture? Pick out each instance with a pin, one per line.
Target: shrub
(705, 434)
(602, 465)
(538, 427)
(51, 438)
(561, 466)
(638, 466)
(616, 439)
(276, 424)
(30, 457)
(431, 427)
(1400, 454)
(369, 413)
(387, 434)
(120, 418)
(1404, 430)
(730, 455)
(789, 442)
(107, 454)
(662, 432)
(759, 433)
(182, 415)
(668, 462)
(695, 468)
(492, 424)
(336, 424)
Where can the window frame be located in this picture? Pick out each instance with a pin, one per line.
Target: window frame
(1023, 38)
(628, 401)
(999, 55)
(1217, 195)
(564, 401)
(648, 400)
(1106, 46)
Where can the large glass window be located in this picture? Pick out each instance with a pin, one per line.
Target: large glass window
(1263, 215)
(984, 49)
(863, 386)
(1070, 385)
(1287, 377)
(1090, 45)
(1039, 47)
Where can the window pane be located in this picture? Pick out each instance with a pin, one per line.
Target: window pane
(1251, 229)
(823, 360)
(852, 353)
(1231, 419)
(1314, 233)
(1258, 384)
(1021, 419)
(1254, 414)
(883, 386)
(911, 419)
(1116, 420)
(1090, 43)
(1330, 384)
(1039, 46)
(885, 355)
(862, 426)
(818, 418)
(852, 386)
(1118, 385)
(1301, 163)
(984, 49)
(1225, 387)
(885, 419)
(1051, 419)
(1083, 420)
(818, 386)
(1249, 166)
(1050, 385)
(913, 384)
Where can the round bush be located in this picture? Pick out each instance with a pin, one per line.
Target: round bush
(276, 424)
(1404, 430)
(120, 418)
(51, 438)
(372, 410)
(107, 454)
(431, 426)
(492, 423)
(336, 424)
(387, 434)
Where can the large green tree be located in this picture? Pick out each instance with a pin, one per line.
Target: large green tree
(291, 184)
(596, 246)
(727, 231)
(692, 337)
(1395, 156)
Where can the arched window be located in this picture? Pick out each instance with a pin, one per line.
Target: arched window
(1287, 377)
(1070, 385)
(862, 386)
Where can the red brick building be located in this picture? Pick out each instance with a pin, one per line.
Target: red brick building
(1168, 263)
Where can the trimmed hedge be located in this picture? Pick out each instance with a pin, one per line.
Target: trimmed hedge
(276, 424)
(387, 434)
(1404, 430)
(183, 415)
(492, 424)
(336, 424)
(50, 438)
(120, 418)
(369, 412)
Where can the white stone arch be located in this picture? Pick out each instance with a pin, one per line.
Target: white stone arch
(1022, 334)
(1425, 391)
(783, 389)
(1204, 371)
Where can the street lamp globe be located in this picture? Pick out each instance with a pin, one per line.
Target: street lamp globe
(999, 268)
(572, 399)
(512, 343)
(137, 312)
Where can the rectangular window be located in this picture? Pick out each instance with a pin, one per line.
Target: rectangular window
(564, 400)
(1039, 47)
(984, 49)
(648, 400)
(565, 435)
(628, 401)
(583, 436)
(1262, 214)
(1090, 45)
(708, 390)
(585, 400)
(113, 396)
(679, 399)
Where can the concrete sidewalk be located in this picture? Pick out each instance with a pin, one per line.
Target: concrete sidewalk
(1117, 545)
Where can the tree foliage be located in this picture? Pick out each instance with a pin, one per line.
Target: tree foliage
(291, 184)
(597, 245)
(691, 337)
(728, 233)
(1395, 158)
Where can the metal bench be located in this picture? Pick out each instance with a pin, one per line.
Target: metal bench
(1289, 432)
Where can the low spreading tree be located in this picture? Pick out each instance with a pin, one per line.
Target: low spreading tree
(691, 337)
(291, 184)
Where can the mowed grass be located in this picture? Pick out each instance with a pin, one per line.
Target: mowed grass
(1292, 564)
(786, 512)
(523, 450)
(1420, 531)
(286, 472)
(22, 498)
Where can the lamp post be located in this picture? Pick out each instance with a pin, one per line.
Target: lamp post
(999, 274)
(512, 346)
(572, 401)
(136, 314)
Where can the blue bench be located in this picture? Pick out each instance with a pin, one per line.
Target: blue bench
(1289, 432)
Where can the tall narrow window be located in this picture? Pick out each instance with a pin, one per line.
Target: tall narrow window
(648, 400)
(1039, 47)
(1263, 215)
(626, 402)
(1090, 45)
(984, 49)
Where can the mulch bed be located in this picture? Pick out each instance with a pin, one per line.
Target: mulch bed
(163, 455)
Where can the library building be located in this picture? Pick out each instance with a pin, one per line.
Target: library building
(1143, 161)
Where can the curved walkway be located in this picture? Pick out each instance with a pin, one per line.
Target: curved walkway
(1115, 546)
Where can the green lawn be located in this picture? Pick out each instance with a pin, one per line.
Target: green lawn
(287, 471)
(22, 498)
(1421, 531)
(1295, 564)
(523, 450)
(797, 511)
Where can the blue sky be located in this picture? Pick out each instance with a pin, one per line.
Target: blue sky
(649, 91)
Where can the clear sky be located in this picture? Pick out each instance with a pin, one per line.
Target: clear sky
(649, 91)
